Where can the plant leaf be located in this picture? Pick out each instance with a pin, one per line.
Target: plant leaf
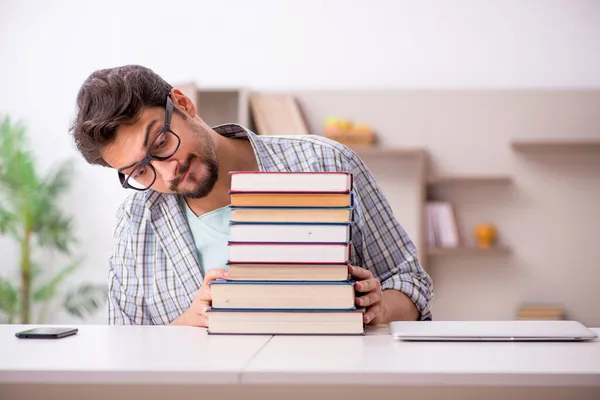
(33, 200)
(17, 171)
(18, 180)
(9, 298)
(8, 222)
(12, 138)
(54, 229)
(52, 225)
(35, 271)
(86, 299)
(48, 290)
(58, 180)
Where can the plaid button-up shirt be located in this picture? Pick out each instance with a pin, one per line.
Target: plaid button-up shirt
(154, 270)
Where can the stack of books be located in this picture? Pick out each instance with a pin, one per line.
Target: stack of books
(289, 251)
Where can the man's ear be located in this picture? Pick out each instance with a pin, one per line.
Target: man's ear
(183, 103)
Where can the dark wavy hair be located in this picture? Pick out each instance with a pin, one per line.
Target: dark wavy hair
(109, 98)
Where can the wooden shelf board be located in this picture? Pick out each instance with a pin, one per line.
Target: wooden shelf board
(566, 145)
(387, 151)
(231, 91)
(468, 179)
(466, 251)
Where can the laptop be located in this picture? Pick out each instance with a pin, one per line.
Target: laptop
(518, 330)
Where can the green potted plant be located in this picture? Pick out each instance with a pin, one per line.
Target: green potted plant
(30, 213)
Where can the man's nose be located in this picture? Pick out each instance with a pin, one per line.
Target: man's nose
(167, 170)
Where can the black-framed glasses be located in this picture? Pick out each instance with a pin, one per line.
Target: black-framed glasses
(163, 147)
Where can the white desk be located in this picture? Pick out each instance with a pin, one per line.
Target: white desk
(153, 362)
(379, 359)
(126, 354)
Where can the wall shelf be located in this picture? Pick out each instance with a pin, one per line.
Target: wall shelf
(388, 151)
(556, 145)
(467, 251)
(218, 105)
(468, 180)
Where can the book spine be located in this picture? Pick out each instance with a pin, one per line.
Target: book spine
(287, 223)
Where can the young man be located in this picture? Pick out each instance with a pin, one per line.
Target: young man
(172, 232)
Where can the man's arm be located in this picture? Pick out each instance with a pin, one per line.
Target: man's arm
(383, 248)
(397, 307)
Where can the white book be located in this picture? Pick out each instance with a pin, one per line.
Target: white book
(288, 253)
(290, 233)
(431, 226)
(291, 181)
(434, 224)
(442, 229)
(448, 225)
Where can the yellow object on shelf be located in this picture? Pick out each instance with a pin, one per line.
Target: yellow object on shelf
(348, 133)
(485, 235)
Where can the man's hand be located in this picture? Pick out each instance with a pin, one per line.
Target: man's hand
(372, 297)
(382, 307)
(196, 315)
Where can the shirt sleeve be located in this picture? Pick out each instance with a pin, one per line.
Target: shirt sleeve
(381, 245)
(125, 288)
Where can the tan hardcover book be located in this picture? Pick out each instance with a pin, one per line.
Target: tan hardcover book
(282, 295)
(310, 322)
(252, 214)
(291, 199)
(288, 272)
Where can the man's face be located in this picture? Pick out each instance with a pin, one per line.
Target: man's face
(192, 171)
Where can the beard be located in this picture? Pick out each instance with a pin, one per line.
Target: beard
(202, 187)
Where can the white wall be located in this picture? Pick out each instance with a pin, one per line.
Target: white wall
(547, 216)
(47, 48)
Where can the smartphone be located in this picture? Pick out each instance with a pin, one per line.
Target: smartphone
(46, 333)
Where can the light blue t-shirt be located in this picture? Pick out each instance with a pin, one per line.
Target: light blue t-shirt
(211, 235)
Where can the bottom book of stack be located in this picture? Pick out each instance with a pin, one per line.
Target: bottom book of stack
(291, 322)
(284, 307)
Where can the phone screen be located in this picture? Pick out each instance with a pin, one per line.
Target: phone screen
(46, 331)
